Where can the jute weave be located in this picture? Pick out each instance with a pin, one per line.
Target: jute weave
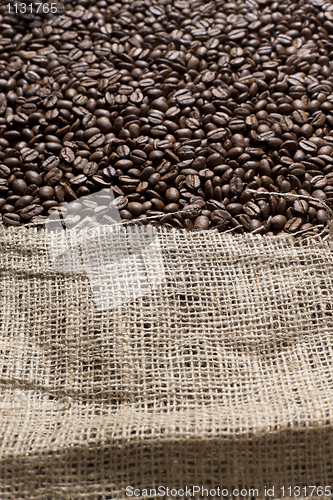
(220, 376)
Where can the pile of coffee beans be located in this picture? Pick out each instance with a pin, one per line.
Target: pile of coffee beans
(199, 114)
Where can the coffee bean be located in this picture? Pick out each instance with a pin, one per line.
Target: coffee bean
(31, 211)
(201, 222)
(104, 124)
(138, 157)
(234, 208)
(255, 225)
(46, 193)
(322, 216)
(19, 186)
(252, 210)
(293, 224)
(300, 207)
(32, 177)
(11, 219)
(78, 181)
(100, 182)
(193, 182)
(157, 204)
(4, 172)
(23, 202)
(278, 221)
(235, 186)
(172, 195)
(53, 176)
(69, 194)
(67, 155)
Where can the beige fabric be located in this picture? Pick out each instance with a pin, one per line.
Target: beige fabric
(221, 376)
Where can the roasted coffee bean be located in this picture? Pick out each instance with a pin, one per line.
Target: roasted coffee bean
(90, 169)
(100, 182)
(293, 224)
(59, 194)
(23, 202)
(235, 186)
(300, 207)
(50, 162)
(32, 177)
(53, 176)
(252, 210)
(137, 156)
(255, 225)
(46, 193)
(69, 194)
(11, 219)
(31, 211)
(193, 182)
(78, 181)
(234, 208)
(322, 216)
(19, 186)
(67, 155)
(201, 222)
(172, 195)
(278, 221)
(191, 211)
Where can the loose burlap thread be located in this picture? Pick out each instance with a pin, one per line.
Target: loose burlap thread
(222, 376)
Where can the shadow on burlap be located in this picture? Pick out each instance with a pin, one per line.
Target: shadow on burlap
(221, 376)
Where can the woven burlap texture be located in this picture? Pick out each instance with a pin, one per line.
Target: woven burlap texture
(222, 376)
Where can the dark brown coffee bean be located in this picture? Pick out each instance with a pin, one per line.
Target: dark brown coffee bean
(201, 222)
(96, 140)
(46, 193)
(23, 202)
(218, 134)
(67, 155)
(69, 194)
(234, 208)
(90, 169)
(31, 211)
(123, 164)
(255, 225)
(59, 194)
(19, 186)
(11, 219)
(50, 162)
(153, 180)
(278, 221)
(235, 186)
(29, 155)
(4, 172)
(100, 182)
(31, 190)
(120, 203)
(322, 216)
(32, 177)
(193, 182)
(138, 157)
(300, 207)
(78, 181)
(191, 211)
(104, 124)
(53, 176)
(252, 210)
(293, 224)
(227, 176)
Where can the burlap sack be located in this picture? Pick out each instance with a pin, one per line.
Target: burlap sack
(219, 376)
